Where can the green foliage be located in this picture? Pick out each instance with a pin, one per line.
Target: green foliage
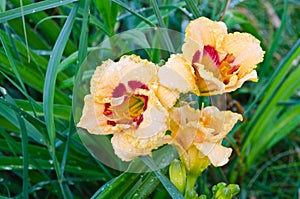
(41, 154)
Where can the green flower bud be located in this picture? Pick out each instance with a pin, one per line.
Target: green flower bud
(177, 174)
(223, 193)
(234, 188)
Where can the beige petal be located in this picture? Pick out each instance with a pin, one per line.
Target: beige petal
(125, 150)
(245, 48)
(166, 96)
(129, 68)
(135, 68)
(189, 49)
(92, 119)
(208, 83)
(155, 121)
(217, 154)
(205, 31)
(178, 75)
(125, 146)
(237, 83)
(104, 80)
(184, 115)
(221, 121)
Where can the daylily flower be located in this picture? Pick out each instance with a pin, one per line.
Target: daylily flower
(222, 61)
(123, 103)
(198, 136)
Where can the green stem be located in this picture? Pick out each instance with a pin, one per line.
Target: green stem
(190, 182)
(190, 192)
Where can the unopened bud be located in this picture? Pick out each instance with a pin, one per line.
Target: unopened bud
(177, 174)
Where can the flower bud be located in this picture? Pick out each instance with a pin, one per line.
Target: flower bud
(177, 174)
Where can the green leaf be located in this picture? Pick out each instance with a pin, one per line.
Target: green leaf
(281, 87)
(192, 6)
(83, 44)
(121, 183)
(2, 5)
(32, 8)
(123, 5)
(109, 12)
(169, 186)
(49, 87)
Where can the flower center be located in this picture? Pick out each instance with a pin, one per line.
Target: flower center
(222, 69)
(127, 107)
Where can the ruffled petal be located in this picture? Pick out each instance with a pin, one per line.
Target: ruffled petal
(244, 47)
(166, 96)
(177, 74)
(127, 149)
(129, 68)
(208, 83)
(217, 154)
(205, 32)
(155, 122)
(236, 83)
(92, 118)
(221, 121)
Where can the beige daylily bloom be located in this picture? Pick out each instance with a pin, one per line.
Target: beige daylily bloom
(123, 103)
(222, 61)
(199, 133)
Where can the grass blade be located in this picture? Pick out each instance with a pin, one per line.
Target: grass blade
(83, 42)
(172, 190)
(123, 5)
(273, 84)
(275, 44)
(193, 8)
(161, 23)
(49, 87)
(32, 8)
(24, 137)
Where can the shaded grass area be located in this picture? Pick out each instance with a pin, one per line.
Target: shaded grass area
(41, 155)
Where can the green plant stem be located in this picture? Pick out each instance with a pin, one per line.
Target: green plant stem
(190, 182)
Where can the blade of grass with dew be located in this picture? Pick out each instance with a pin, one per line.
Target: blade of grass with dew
(60, 111)
(144, 187)
(71, 129)
(170, 187)
(16, 71)
(121, 183)
(108, 11)
(31, 77)
(35, 39)
(191, 5)
(175, 6)
(164, 13)
(49, 87)
(11, 41)
(83, 41)
(166, 38)
(7, 113)
(24, 137)
(49, 30)
(32, 8)
(123, 5)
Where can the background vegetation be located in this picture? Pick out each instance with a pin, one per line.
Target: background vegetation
(42, 46)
